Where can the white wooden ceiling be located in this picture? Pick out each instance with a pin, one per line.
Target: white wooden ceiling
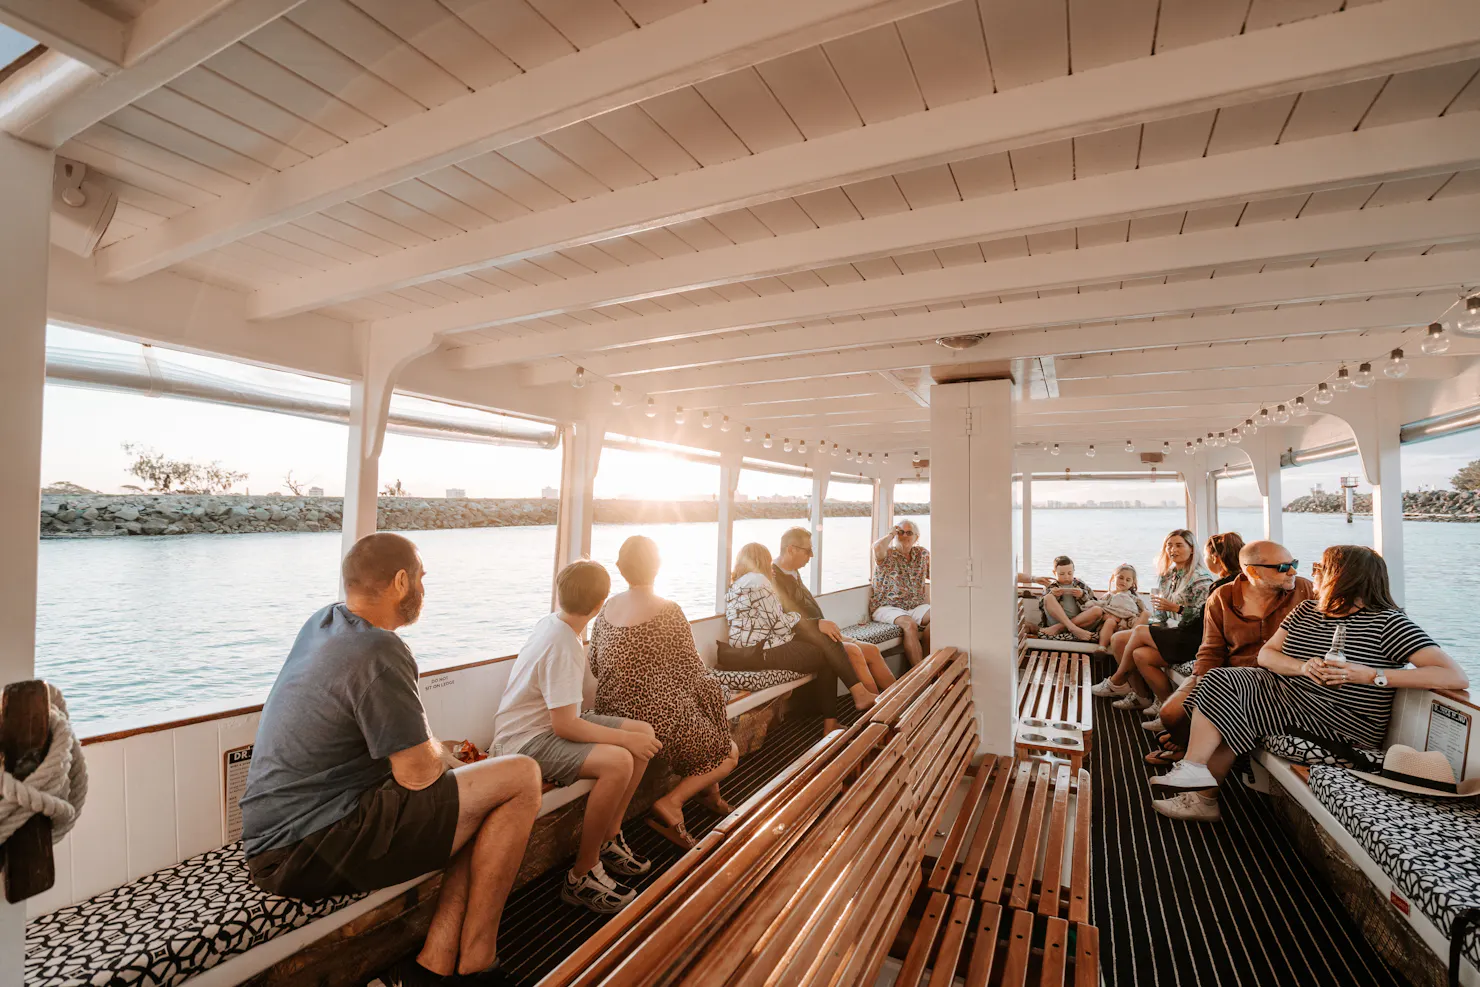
(1149, 197)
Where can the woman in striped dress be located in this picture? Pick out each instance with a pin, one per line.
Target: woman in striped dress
(1295, 687)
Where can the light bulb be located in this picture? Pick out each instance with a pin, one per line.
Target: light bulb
(835, 450)
(1090, 452)
(579, 380)
(1222, 440)
(1467, 322)
(678, 415)
(1055, 450)
(786, 445)
(886, 459)
(1281, 414)
(652, 408)
(1323, 393)
(871, 459)
(1200, 443)
(1264, 421)
(616, 395)
(1396, 366)
(1343, 381)
(1436, 341)
(1301, 409)
(767, 440)
(724, 423)
(802, 446)
(1249, 427)
(747, 433)
(706, 421)
(1130, 446)
(1189, 450)
(848, 455)
(1211, 442)
(1364, 376)
(1235, 436)
(1166, 450)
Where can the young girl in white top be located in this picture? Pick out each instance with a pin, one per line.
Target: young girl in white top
(1122, 605)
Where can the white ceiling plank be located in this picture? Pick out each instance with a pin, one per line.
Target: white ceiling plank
(167, 40)
(864, 386)
(1056, 320)
(1173, 84)
(71, 27)
(695, 44)
(1415, 223)
(1429, 147)
(1129, 388)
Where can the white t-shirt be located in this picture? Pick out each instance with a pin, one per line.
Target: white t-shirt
(549, 672)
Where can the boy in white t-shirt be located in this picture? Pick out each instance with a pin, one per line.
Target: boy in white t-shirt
(540, 717)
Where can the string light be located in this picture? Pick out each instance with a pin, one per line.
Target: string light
(1090, 452)
(1055, 450)
(1264, 421)
(1364, 376)
(652, 408)
(1189, 450)
(767, 440)
(1166, 450)
(1249, 427)
(678, 415)
(1301, 409)
(706, 421)
(1235, 436)
(579, 380)
(786, 445)
(802, 446)
(1343, 381)
(1435, 342)
(1130, 446)
(724, 423)
(1281, 414)
(616, 395)
(1396, 367)
(1222, 440)
(1323, 393)
(871, 459)
(1467, 322)
(747, 433)
(835, 450)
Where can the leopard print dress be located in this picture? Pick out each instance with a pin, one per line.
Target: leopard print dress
(652, 672)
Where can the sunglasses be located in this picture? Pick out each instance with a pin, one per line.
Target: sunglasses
(1280, 567)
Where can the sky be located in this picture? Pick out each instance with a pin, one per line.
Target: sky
(86, 428)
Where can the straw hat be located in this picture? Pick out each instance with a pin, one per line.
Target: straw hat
(1420, 772)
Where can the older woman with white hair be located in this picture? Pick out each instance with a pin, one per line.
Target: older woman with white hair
(898, 593)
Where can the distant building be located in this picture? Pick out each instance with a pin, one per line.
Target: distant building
(742, 498)
(316, 491)
(549, 493)
(455, 493)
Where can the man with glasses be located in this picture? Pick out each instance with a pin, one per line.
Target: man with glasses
(899, 594)
(1240, 616)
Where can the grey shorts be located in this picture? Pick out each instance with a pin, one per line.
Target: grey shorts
(559, 759)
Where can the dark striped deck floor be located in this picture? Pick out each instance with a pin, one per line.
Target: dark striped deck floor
(539, 930)
(1228, 903)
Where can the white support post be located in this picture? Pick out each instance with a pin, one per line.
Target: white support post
(1264, 451)
(883, 512)
(383, 355)
(729, 480)
(821, 474)
(1200, 510)
(25, 202)
(973, 605)
(1375, 417)
(1026, 562)
(581, 457)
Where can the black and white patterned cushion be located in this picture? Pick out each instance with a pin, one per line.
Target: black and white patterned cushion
(872, 632)
(1430, 847)
(1300, 750)
(164, 928)
(731, 683)
(1185, 668)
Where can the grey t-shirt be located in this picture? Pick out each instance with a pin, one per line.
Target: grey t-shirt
(344, 702)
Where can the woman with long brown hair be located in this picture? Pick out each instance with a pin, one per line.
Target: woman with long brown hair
(1296, 688)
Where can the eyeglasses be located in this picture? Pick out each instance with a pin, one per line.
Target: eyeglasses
(1280, 567)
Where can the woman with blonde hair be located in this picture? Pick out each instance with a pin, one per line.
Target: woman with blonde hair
(763, 636)
(647, 668)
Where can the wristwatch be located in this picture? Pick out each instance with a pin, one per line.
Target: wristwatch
(1381, 679)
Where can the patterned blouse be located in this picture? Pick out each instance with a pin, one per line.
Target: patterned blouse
(1189, 587)
(899, 581)
(755, 616)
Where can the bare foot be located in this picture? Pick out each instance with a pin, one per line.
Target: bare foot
(669, 813)
(829, 724)
(862, 698)
(1051, 630)
(1080, 633)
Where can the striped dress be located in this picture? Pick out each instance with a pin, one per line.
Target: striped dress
(1249, 704)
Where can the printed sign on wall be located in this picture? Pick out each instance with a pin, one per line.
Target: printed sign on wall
(1449, 733)
(238, 761)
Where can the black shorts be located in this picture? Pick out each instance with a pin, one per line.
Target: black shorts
(1177, 644)
(393, 835)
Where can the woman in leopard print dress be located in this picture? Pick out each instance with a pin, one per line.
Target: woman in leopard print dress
(647, 668)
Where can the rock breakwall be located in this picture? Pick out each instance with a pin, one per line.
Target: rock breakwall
(1422, 505)
(108, 516)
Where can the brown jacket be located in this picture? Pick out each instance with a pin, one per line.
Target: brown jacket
(1230, 638)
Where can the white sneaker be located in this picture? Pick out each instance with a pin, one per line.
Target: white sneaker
(597, 891)
(1153, 710)
(1110, 688)
(1154, 726)
(1185, 774)
(1131, 701)
(1189, 807)
(616, 855)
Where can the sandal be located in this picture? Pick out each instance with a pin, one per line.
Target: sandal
(1166, 756)
(715, 803)
(675, 834)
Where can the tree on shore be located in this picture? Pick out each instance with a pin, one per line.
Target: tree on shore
(179, 475)
(66, 487)
(1468, 478)
(295, 487)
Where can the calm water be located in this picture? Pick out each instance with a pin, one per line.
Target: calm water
(136, 630)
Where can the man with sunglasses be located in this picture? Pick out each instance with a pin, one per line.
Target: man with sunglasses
(1240, 616)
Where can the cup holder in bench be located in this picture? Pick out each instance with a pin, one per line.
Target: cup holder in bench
(1034, 738)
(1066, 726)
(1066, 741)
(1037, 723)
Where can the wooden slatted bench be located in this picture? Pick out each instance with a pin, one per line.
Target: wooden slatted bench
(1055, 705)
(810, 880)
(1009, 888)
